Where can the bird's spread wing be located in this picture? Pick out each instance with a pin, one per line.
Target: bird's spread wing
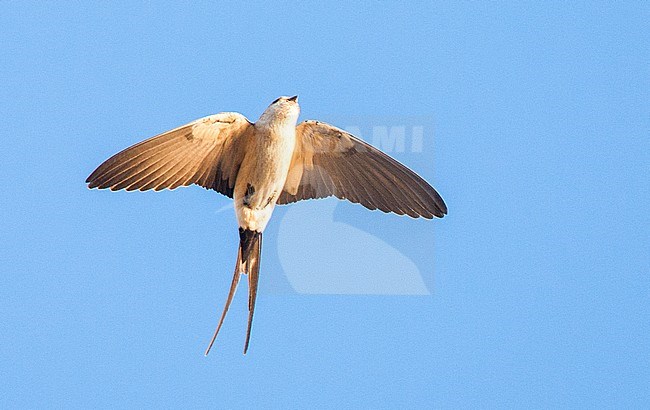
(206, 152)
(329, 161)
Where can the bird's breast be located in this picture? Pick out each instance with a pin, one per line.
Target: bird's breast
(262, 175)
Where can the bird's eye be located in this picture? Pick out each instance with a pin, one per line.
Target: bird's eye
(276, 100)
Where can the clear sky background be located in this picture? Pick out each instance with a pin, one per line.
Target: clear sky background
(538, 141)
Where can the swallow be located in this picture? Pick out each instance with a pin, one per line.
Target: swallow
(274, 161)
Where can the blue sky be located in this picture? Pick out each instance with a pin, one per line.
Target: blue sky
(536, 122)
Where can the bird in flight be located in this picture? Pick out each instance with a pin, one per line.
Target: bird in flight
(267, 163)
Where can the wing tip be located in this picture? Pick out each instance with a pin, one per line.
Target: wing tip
(442, 208)
(92, 183)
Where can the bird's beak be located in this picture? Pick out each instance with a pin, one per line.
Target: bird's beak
(294, 98)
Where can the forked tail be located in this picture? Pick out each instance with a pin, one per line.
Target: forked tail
(248, 262)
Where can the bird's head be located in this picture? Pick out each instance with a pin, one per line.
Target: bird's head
(284, 110)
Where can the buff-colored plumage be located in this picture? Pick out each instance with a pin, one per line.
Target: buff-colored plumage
(270, 162)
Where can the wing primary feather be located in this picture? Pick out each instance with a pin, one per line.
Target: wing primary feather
(398, 176)
(365, 194)
(133, 156)
(131, 169)
(141, 178)
(418, 182)
(398, 179)
(376, 190)
(386, 201)
(345, 189)
(192, 173)
(180, 171)
(174, 167)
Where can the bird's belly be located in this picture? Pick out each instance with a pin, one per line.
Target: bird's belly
(260, 182)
